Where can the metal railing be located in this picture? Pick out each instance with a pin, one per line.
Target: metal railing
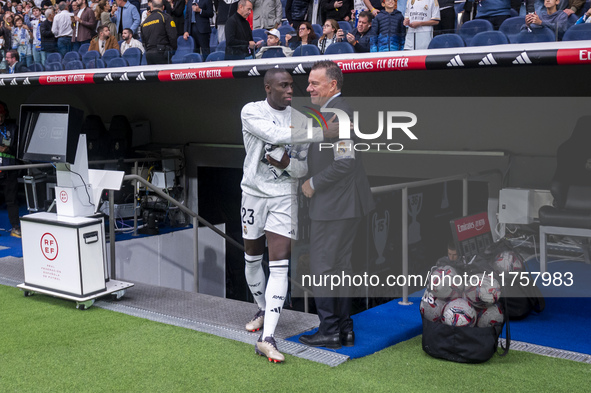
(404, 209)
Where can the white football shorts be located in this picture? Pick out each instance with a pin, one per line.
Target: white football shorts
(277, 215)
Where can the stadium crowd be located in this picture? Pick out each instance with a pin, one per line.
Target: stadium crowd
(240, 29)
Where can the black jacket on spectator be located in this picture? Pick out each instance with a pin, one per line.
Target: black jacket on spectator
(362, 44)
(296, 10)
(336, 14)
(48, 40)
(45, 3)
(178, 15)
(225, 11)
(238, 34)
(7, 35)
(158, 32)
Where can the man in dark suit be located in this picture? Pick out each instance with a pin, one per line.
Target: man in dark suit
(14, 65)
(340, 198)
(197, 14)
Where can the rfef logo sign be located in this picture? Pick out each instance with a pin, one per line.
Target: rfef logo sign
(49, 246)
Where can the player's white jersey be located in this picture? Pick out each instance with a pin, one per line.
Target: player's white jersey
(264, 127)
(420, 11)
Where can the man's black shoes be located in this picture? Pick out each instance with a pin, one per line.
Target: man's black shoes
(332, 341)
(348, 338)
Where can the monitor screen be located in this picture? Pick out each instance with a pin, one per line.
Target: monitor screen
(49, 133)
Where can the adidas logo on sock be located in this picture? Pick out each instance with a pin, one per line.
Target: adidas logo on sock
(276, 309)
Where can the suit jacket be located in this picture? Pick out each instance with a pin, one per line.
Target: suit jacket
(111, 43)
(341, 188)
(86, 26)
(20, 67)
(202, 18)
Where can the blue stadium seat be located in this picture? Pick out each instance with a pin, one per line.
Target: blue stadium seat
(221, 46)
(144, 61)
(259, 36)
(117, 62)
(286, 30)
(70, 56)
(110, 54)
(473, 27)
(511, 27)
(187, 45)
(273, 52)
(54, 67)
(513, 13)
(486, 38)
(133, 56)
(345, 26)
(213, 39)
(192, 58)
(83, 49)
(100, 63)
(306, 50)
(259, 32)
(216, 56)
(339, 47)
(446, 41)
(539, 34)
(578, 32)
(90, 55)
(317, 29)
(55, 57)
(36, 67)
(74, 65)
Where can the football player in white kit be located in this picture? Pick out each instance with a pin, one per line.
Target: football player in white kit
(276, 141)
(420, 16)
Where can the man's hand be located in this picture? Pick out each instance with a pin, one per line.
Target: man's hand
(338, 4)
(186, 35)
(340, 34)
(569, 12)
(351, 38)
(196, 8)
(307, 189)
(375, 11)
(251, 44)
(406, 22)
(532, 18)
(333, 128)
(3, 149)
(279, 164)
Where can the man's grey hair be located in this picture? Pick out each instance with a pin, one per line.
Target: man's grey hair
(157, 4)
(62, 6)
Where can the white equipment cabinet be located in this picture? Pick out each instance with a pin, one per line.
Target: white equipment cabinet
(64, 257)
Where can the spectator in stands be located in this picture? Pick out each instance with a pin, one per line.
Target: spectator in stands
(158, 35)
(196, 24)
(447, 23)
(62, 29)
(550, 17)
(48, 40)
(177, 9)
(360, 38)
(21, 39)
(329, 34)
(84, 25)
(239, 41)
(572, 7)
(5, 43)
(103, 41)
(387, 29)
(267, 14)
(130, 42)
(337, 10)
(420, 17)
(8, 20)
(306, 36)
(34, 24)
(125, 15)
(103, 14)
(296, 12)
(13, 63)
(45, 4)
(494, 11)
(274, 41)
(147, 11)
(225, 10)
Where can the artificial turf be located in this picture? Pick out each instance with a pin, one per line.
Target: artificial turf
(46, 345)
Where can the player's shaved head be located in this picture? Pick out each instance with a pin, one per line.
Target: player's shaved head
(270, 75)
